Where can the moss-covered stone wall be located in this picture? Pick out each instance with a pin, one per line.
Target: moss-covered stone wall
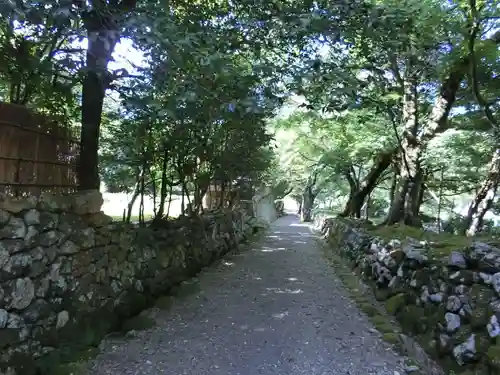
(444, 290)
(68, 275)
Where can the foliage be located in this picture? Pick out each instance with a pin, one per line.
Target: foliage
(204, 107)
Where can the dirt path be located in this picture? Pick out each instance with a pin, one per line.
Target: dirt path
(275, 309)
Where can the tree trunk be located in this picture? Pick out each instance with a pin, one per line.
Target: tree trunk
(357, 199)
(366, 208)
(130, 204)
(135, 193)
(103, 34)
(101, 43)
(170, 191)
(410, 148)
(483, 200)
(307, 205)
(308, 196)
(436, 122)
(415, 198)
(163, 186)
(299, 211)
(394, 183)
(183, 204)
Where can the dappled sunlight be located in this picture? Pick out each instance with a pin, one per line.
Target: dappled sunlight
(300, 242)
(280, 315)
(227, 263)
(285, 291)
(270, 249)
(294, 280)
(299, 225)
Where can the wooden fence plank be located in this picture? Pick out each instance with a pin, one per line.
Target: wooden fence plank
(36, 153)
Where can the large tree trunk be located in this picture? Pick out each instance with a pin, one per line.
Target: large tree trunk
(358, 197)
(405, 205)
(103, 34)
(308, 196)
(483, 200)
(401, 206)
(307, 205)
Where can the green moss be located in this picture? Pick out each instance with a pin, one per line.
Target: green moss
(483, 342)
(65, 362)
(477, 370)
(480, 317)
(419, 322)
(138, 323)
(76, 368)
(381, 294)
(368, 308)
(493, 356)
(383, 324)
(78, 364)
(462, 334)
(412, 319)
(442, 244)
(164, 302)
(396, 303)
(392, 338)
(186, 288)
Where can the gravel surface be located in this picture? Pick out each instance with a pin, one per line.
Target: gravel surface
(276, 308)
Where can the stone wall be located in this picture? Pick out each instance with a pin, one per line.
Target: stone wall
(448, 299)
(263, 205)
(68, 275)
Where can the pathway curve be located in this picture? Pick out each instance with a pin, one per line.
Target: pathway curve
(275, 309)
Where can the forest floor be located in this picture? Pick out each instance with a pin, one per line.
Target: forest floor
(276, 308)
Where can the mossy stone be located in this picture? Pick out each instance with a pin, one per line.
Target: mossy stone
(368, 308)
(480, 316)
(493, 356)
(395, 303)
(410, 317)
(465, 277)
(383, 323)
(164, 302)
(462, 334)
(483, 342)
(392, 338)
(138, 323)
(481, 293)
(478, 369)
(419, 278)
(381, 294)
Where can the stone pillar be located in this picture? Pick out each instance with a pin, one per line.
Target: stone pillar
(263, 205)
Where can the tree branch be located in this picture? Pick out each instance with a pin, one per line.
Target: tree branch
(485, 106)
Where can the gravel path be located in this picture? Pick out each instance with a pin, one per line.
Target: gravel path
(274, 309)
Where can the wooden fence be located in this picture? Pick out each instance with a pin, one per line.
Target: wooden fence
(36, 153)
